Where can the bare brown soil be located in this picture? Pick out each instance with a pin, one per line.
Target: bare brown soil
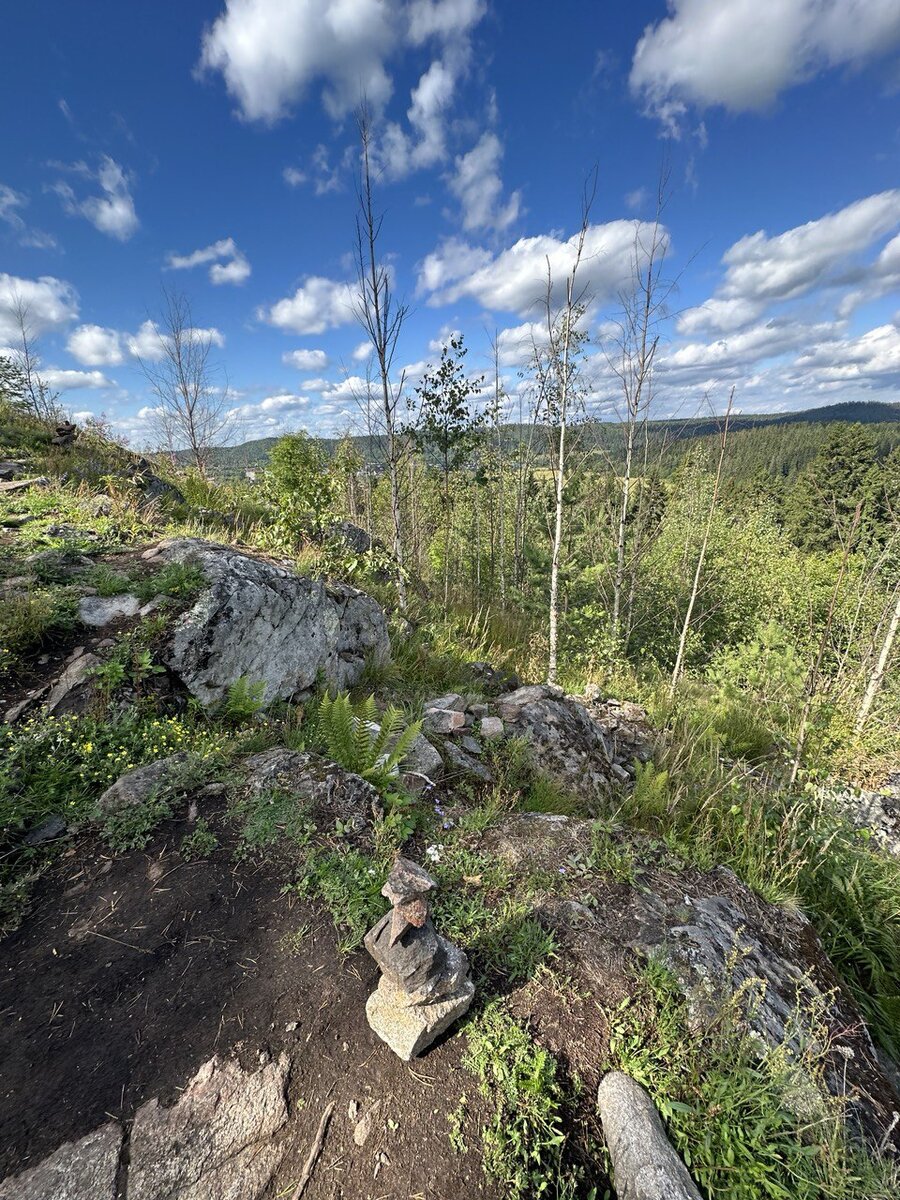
(132, 970)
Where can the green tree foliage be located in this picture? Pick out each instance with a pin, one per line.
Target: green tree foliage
(298, 486)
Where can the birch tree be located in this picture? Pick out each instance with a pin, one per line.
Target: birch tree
(701, 557)
(643, 309)
(192, 409)
(556, 386)
(381, 316)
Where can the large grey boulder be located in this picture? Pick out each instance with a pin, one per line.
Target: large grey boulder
(260, 621)
(218, 1142)
(82, 1170)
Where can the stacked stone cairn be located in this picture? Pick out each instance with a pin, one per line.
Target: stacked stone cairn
(425, 984)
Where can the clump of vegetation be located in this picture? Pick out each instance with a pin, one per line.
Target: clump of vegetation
(359, 738)
(130, 828)
(199, 844)
(30, 620)
(745, 1123)
(525, 1139)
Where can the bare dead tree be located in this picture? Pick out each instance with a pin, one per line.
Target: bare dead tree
(381, 317)
(192, 411)
(701, 557)
(38, 397)
(643, 307)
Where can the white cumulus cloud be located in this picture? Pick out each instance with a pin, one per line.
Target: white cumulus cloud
(761, 269)
(516, 279)
(743, 53)
(317, 304)
(477, 185)
(226, 262)
(112, 212)
(47, 303)
(61, 380)
(306, 360)
(270, 52)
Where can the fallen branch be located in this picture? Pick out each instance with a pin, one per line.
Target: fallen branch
(315, 1150)
(645, 1167)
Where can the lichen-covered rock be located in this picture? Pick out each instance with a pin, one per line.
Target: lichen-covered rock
(328, 791)
(82, 1170)
(218, 1142)
(564, 743)
(877, 812)
(140, 785)
(262, 622)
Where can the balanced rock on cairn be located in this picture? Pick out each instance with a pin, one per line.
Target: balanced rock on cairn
(425, 982)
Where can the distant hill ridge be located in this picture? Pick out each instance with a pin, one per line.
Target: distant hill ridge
(231, 461)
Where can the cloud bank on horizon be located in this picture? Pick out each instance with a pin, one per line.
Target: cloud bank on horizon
(229, 170)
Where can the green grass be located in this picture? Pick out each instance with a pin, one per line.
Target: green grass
(31, 620)
(524, 1141)
(748, 1127)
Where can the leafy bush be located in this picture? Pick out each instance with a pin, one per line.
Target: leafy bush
(362, 741)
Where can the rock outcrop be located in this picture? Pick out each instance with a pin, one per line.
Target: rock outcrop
(82, 1170)
(587, 745)
(719, 939)
(330, 793)
(219, 1141)
(264, 623)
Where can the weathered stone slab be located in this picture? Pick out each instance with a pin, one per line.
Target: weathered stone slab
(82, 1170)
(218, 1142)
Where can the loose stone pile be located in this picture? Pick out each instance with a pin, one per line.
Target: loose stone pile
(587, 744)
(425, 984)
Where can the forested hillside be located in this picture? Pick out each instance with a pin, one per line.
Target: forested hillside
(779, 444)
(636, 711)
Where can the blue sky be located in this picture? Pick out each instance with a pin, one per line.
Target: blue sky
(210, 147)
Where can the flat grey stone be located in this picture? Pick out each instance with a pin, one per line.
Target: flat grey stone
(218, 1142)
(97, 611)
(443, 720)
(82, 1170)
(422, 766)
(491, 728)
(450, 700)
(138, 786)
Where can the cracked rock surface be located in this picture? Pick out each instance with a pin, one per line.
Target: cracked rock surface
(260, 621)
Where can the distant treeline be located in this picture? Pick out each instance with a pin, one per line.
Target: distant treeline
(778, 444)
